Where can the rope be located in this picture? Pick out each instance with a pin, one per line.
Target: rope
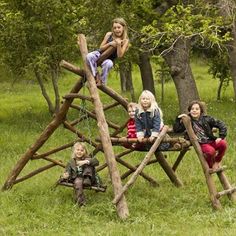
(84, 113)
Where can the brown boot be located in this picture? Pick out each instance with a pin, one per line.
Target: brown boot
(81, 201)
(79, 198)
(87, 181)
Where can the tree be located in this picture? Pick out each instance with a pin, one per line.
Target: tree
(228, 11)
(36, 36)
(179, 27)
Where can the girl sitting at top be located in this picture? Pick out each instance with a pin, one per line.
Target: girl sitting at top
(80, 170)
(116, 40)
(148, 118)
(212, 147)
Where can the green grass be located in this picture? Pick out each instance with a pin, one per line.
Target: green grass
(34, 207)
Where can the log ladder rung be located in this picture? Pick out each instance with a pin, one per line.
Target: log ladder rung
(221, 169)
(227, 191)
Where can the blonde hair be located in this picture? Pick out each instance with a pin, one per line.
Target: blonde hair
(122, 22)
(76, 145)
(154, 106)
(132, 105)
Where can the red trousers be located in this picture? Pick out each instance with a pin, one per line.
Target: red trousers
(213, 151)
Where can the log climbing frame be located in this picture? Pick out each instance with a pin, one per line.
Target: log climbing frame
(109, 136)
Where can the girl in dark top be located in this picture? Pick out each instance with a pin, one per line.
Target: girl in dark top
(148, 117)
(212, 147)
(118, 39)
(149, 120)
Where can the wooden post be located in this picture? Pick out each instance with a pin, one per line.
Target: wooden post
(58, 119)
(179, 159)
(210, 183)
(168, 170)
(122, 208)
(143, 164)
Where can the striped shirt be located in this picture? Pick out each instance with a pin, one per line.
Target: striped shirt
(131, 129)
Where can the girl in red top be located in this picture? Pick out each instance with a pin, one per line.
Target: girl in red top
(131, 129)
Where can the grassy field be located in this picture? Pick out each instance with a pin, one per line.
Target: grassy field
(34, 207)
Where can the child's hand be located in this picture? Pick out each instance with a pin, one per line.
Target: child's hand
(83, 162)
(118, 41)
(182, 115)
(113, 44)
(140, 139)
(151, 139)
(218, 140)
(65, 175)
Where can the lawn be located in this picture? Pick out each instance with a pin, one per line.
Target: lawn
(35, 207)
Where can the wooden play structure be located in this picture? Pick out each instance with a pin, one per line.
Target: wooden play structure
(110, 135)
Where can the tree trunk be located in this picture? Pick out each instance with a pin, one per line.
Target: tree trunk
(43, 91)
(232, 58)
(178, 60)
(126, 78)
(146, 72)
(54, 76)
(228, 9)
(219, 89)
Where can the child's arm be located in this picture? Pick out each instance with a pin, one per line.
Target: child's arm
(93, 161)
(178, 126)
(156, 125)
(89, 161)
(105, 45)
(65, 175)
(83, 162)
(215, 123)
(67, 171)
(122, 46)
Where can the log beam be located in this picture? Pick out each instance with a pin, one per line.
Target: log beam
(210, 183)
(122, 208)
(33, 173)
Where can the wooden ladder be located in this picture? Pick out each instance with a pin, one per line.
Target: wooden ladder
(229, 190)
(208, 172)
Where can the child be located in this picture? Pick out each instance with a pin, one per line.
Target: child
(212, 147)
(131, 129)
(118, 40)
(148, 117)
(80, 170)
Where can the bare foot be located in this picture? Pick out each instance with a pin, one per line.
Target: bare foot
(98, 80)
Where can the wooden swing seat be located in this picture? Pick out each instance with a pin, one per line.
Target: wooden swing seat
(100, 188)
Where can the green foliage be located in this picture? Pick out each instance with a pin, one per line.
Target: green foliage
(199, 22)
(37, 34)
(219, 66)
